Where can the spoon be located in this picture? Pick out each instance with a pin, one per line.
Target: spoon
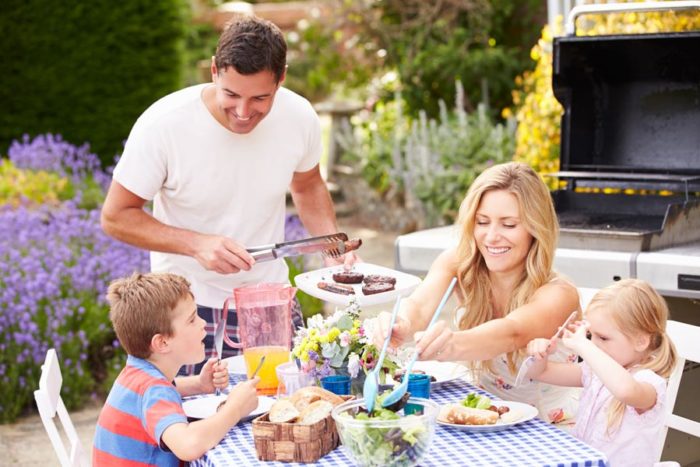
(400, 390)
(527, 363)
(371, 387)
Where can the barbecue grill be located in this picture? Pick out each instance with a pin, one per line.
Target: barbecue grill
(629, 203)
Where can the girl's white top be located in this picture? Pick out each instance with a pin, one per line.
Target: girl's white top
(635, 443)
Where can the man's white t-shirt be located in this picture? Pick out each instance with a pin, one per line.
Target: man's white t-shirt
(205, 178)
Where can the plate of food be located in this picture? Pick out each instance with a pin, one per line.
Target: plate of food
(203, 407)
(439, 372)
(369, 283)
(478, 413)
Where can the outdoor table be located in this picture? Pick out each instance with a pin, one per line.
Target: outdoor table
(534, 442)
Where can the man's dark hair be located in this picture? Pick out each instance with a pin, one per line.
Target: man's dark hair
(251, 45)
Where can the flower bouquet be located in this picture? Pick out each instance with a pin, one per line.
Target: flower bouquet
(339, 344)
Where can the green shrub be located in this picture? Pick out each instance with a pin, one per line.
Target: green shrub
(86, 69)
(431, 162)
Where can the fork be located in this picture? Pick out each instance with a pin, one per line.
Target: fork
(400, 390)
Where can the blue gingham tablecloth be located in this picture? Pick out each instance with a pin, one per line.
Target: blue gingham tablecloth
(533, 443)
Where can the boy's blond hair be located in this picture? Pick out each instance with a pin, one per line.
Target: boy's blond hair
(141, 306)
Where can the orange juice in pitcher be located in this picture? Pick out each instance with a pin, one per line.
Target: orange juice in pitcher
(274, 356)
(265, 328)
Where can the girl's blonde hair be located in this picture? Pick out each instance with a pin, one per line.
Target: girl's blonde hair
(637, 309)
(539, 219)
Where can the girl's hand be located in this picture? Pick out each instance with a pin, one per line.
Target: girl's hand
(540, 348)
(213, 375)
(576, 339)
(435, 343)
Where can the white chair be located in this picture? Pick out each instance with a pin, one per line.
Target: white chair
(686, 338)
(48, 400)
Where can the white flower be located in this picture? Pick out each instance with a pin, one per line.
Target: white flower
(353, 364)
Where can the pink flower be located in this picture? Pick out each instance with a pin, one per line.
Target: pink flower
(345, 339)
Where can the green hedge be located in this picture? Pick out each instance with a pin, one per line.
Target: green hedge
(86, 70)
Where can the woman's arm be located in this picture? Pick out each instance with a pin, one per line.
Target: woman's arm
(418, 308)
(541, 317)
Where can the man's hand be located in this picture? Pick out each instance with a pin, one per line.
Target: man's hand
(347, 260)
(222, 254)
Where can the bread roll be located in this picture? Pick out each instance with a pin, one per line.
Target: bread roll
(461, 415)
(315, 411)
(307, 395)
(283, 411)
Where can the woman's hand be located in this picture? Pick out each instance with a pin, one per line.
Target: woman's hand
(214, 375)
(435, 343)
(400, 333)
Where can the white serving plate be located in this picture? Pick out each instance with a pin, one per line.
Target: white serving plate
(527, 412)
(308, 282)
(203, 407)
(443, 372)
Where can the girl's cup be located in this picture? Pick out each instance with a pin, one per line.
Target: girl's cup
(337, 384)
(418, 386)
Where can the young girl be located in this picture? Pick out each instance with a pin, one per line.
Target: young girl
(625, 366)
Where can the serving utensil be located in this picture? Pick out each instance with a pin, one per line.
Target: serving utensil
(400, 390)
(333, 246)
(371, 387)
(527, 363)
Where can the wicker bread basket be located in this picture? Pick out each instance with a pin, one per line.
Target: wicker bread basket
(294, 442)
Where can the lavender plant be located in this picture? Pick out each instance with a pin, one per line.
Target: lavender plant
(55, 265)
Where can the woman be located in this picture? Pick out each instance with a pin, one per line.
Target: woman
(507, 291)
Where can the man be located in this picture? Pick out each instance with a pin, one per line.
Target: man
(217, 159)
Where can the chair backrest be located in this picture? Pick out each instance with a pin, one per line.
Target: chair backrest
(685, 337)
(49, 402)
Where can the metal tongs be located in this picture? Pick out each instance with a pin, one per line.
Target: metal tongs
(333, 246)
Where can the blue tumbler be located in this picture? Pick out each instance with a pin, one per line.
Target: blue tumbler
(418, 386)
(337, 384)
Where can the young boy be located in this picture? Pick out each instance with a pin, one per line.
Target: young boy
(142, 422)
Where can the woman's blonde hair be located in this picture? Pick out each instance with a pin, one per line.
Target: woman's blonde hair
(539, 219)
(637, 309)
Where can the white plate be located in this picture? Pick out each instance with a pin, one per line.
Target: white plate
(203, 407)
(443, 372)
(308, 282)
(527, 412)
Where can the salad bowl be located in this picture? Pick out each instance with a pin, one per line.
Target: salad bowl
(388, 438)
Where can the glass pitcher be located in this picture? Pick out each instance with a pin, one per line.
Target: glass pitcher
(265, 329)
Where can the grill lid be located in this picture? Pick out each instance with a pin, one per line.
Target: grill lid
(631, 109)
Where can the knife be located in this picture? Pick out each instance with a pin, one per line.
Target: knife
(333, 249)
(219, 342)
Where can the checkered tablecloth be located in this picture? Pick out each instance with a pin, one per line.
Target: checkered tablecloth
(527, 444)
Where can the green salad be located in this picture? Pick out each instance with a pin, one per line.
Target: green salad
(475, 401)
(400, 445)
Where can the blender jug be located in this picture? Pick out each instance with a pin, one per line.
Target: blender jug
(265, 329)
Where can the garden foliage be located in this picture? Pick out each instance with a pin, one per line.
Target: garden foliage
(430, 163)
(55, 266)
(539, 113)
(86, 69)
